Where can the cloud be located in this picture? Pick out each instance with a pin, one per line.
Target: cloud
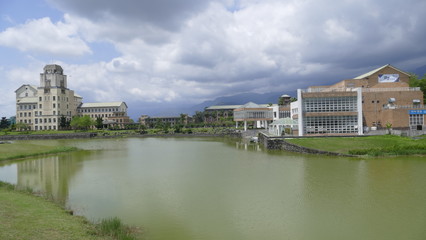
(190, 51)
(43, 36)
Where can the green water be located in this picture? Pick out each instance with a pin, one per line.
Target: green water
(213, 189)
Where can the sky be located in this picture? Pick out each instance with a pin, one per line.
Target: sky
(168, 54)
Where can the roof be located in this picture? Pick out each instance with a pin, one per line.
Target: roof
(378, 69)
(27, 85)
(284, 121)
(78, 96)
(251, 105)
(102, 104)
(222, 107)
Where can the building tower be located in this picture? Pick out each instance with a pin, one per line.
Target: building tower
(54, 99)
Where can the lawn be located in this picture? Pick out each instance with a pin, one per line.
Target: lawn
(21, 149)
(370, 145)
(24, 216)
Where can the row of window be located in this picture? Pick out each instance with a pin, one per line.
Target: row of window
(416, 119)
(252, 114)
(27, 107)
(87, 110)
(45, 120)
(45, 128)
(330, 124)
(47, 98)
(330, 104)
(39, 113)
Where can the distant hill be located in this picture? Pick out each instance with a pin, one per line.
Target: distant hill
(420, 71)
(241, 98)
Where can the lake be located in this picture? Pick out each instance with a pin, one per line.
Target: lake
(214, 189)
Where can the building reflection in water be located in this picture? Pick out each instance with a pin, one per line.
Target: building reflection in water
(49, 175)
(248, 146)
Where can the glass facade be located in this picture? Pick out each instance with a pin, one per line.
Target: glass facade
(341, 124)
(330, 104)
(330, 124)
(416, 119)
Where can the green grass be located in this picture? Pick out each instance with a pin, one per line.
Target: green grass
(371, 145)
(114, 228)
(22, 149)
(24, 216)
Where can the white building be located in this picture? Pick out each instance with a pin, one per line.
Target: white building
(42, 107)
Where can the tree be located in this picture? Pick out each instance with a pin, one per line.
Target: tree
(99, 123)
(166, 127)
(182, 119)
(22, 126)
(4, 123)
(159, 124)
(421, 83)
(82, 123)
(64, 123)
(198, 117)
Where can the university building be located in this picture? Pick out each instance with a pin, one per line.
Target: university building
(41, 108)
(376, 100)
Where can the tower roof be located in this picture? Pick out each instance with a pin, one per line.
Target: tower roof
(53, 68)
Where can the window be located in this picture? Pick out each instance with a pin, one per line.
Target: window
(40, 99)
(330, 104)
(54, 112)
(330, 124)
(36, 120)
(54, 105)
(20, 114)
(416, 119)
(54, 98)
(39, 106)
(29, 114)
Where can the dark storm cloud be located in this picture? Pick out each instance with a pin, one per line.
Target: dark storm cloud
(165, 14)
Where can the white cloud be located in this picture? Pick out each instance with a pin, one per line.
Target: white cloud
(43, 36)
(191, 53)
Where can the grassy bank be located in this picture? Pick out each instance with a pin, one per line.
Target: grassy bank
(24, 149)
(25, 216)
(371, 145)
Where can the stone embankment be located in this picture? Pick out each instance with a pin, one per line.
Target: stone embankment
(280, 143)
(47, 136)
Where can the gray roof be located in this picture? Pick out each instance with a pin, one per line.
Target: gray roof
(376, 70)
(284, 121)
(223, 107)
(102, 104)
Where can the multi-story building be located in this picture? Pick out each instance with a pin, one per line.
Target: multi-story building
(112, 113)
(370, 101)
(42, 107)
(152, 121)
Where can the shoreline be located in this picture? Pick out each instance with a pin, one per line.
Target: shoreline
(27, 215)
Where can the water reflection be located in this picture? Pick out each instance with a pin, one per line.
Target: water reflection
(201, 188)
(48, 175)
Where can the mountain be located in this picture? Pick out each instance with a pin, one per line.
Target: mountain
(241, 98)
(420, 71)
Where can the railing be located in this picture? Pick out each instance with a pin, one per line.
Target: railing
(405, 107)
(398, 89)
(316, 90)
